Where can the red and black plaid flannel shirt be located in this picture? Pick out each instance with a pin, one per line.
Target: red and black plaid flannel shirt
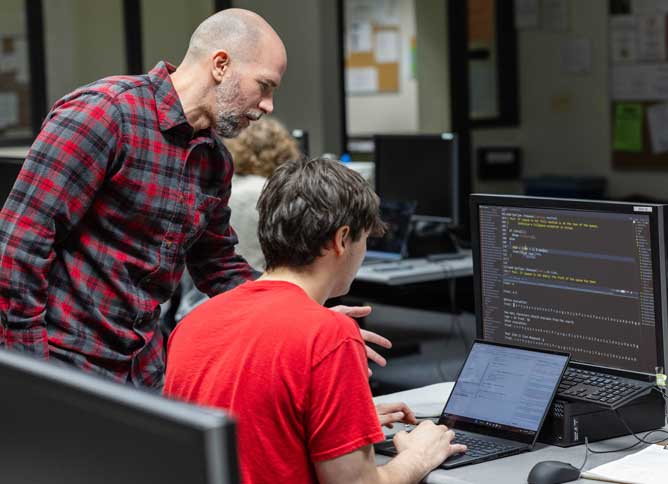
(116, 195)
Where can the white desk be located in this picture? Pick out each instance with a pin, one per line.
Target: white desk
(409, 271)
(509, 470)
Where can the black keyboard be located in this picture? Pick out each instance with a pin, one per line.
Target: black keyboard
(480, 447)
(610, 391)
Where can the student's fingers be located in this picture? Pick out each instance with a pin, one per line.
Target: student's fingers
(375, 338)
(353, 311)
(457, 449)
(387, 419)
(375, 357)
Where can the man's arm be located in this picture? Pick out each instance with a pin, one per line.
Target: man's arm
(419, 452)
(212, 262)
(64, 168)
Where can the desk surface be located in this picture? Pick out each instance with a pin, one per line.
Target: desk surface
(409, 271)
(509, 470)
(14, 153)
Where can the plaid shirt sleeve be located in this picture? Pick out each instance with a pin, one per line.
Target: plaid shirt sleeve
(212, 261)
(65, 167)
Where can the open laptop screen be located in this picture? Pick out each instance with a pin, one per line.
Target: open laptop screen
(504, 389)
(392, 246)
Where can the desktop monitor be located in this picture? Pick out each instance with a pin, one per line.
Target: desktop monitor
(301, 136)
(62, 426)
(584, 277)
(419, 167)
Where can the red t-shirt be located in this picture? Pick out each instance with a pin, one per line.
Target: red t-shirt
(293, 373)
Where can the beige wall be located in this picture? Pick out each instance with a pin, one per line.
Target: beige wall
(565, 118)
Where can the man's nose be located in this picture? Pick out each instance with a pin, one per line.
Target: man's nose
(267, 104)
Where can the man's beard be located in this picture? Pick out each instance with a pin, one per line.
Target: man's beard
(228, 120)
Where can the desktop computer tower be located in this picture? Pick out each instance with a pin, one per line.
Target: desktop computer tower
(568, 423)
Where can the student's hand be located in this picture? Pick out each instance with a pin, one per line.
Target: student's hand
(367, 336)
(428, 442)
(389, 413)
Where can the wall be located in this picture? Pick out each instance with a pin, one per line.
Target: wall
(167, 26)
(565, 118)
(310, 93)
(389, 112)
(84, 41)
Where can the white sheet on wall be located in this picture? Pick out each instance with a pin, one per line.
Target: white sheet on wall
(657, 121)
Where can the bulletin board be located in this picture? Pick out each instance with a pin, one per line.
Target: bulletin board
(373, 47)
(639, 84)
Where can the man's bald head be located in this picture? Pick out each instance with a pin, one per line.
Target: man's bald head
(238, 32)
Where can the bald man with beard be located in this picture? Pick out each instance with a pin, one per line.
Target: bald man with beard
(125, 185)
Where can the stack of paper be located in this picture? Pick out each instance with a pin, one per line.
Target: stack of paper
(649, 466)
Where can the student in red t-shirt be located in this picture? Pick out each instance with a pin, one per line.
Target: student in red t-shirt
(293, 372)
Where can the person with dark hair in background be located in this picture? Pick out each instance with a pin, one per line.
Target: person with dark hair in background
(298, 385)
(126, 183)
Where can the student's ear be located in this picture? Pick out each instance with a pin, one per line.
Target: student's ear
(341, 240)
(221, 62)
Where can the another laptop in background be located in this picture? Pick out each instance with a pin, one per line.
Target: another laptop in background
(393, 245)
(499, 401)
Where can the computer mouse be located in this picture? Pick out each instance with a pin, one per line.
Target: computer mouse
(552, 472)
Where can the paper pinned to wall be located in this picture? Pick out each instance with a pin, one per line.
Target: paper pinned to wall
(361, 80)
(651, 41)
(623, 38)
(657, 122)
(9, 109)
(556, 15)
(628, 124)
(526, 14)
(576, 56)
(649, 7)
(360, 37)
(640, 82)
(387, 47)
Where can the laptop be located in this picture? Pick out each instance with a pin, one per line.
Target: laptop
(499, 401)
(393, 245)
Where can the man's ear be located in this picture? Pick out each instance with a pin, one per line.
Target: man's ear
(341, 240)
(221, 62)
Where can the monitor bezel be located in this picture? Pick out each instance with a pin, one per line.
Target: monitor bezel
(450, 138)
(657, 239)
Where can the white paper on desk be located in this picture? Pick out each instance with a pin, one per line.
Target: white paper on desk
(649, 466)
(556, 15)
(623, 38)
(387, 46)
(657, 121)
(526, 14)
(576, 56)
(425, 401)
(9, 109)
(360, 35)
(361, 80)
(651, 37)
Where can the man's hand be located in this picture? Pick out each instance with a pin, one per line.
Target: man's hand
(429, 442)
(389, 413)
(367, 336)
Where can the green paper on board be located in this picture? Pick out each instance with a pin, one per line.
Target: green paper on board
(627, 134)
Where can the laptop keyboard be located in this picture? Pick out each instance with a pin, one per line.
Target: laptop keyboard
(480, 447)
(610, 391)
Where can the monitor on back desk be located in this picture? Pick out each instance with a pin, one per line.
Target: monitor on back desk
(62, 426)
(585, 277)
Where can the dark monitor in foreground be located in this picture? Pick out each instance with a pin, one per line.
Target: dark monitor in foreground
(422, 168)
(62, 426)
(578, 276)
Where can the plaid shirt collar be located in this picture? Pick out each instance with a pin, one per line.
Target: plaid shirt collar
(168, 105)
(171, 115)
